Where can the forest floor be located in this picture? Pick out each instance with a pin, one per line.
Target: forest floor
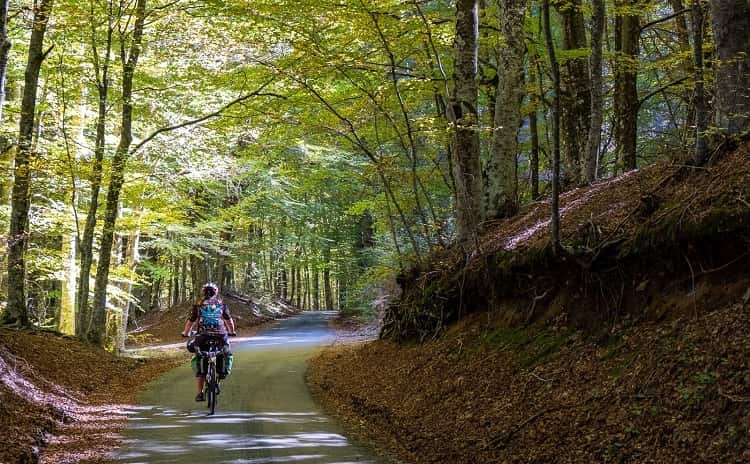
(63, 401)
(665, 378)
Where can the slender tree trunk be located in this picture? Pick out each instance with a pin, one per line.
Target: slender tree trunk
(701, 112)
(16, 311)
(5, 45)
(555, 129)
(534, 131)
(500, 196)
(86, 246)
(117, 177)
(576, 93)
(327, 278)
(627, 33)
(316, 290)
(591, 162)
(132, 262)
(463, 114)
(731, 29)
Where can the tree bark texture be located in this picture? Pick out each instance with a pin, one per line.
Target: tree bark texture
(576, 93)
(16, 311)
(5, 45)
(627, 33)
(556, 110)
(500, 189)
(701, 111)
(591, 162)
(463, 114)
(731, 29)
(117, 177)
(87, 240)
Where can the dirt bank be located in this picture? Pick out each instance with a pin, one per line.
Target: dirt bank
(676, 391)
(60, 400)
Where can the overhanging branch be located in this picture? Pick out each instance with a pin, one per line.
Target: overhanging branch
(256, 93)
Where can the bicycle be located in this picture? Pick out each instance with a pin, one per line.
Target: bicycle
(211, 387)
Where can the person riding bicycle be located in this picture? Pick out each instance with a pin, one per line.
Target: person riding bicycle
(211, 317)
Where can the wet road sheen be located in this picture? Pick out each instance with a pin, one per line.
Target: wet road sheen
(264, 413)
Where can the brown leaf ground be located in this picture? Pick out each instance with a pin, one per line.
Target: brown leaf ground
(69, 403)
(653, 392)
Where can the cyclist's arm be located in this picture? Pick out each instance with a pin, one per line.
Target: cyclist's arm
(191, 322)
(228, 321)
(189, 326)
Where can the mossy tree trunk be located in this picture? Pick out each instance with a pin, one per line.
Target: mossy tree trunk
(129, 60)
(463, 115)
(16, 311)
(500, 197)
(731, 29)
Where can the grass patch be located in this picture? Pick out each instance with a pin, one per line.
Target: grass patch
(531, 345)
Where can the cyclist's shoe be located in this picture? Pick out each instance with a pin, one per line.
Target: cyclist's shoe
(200, 397)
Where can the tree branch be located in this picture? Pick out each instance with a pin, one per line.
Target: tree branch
(202, 118)
(661, 89)
(665, 18)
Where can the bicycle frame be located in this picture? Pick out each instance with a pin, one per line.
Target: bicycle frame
(211, 384)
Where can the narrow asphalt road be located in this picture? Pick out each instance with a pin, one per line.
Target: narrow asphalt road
(264, 413)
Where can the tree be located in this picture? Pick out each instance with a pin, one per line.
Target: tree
(129, 60)
(576, 94)
(463, 115)
(5, 45)
(593, 140)
(556, 110)
(86, 245)
(627, 33)
(500, 177)
(731, 29)
(17, 238)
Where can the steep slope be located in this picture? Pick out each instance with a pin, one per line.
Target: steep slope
(629, 347)
(62, 396)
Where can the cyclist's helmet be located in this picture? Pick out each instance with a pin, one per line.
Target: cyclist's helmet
(209, 290)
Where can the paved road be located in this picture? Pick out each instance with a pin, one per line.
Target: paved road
(264, 414)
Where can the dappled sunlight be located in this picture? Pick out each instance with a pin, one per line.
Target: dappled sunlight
(588, 194)
(287, 428)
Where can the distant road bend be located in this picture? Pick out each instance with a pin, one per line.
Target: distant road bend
(264, 415)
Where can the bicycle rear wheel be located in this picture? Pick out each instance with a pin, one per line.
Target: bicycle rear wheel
(211, 389)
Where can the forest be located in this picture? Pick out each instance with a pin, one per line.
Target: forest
(314, 150)
(534, 213)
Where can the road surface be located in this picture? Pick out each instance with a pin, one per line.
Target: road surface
(264, 413)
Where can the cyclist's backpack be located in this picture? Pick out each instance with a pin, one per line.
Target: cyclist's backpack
(210, 313)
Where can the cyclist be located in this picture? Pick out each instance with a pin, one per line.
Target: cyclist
(210, 315)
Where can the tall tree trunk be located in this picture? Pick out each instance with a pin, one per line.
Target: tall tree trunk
(117, 177)
(701, 112)
(500, 196)
(731, 28)
(16, 311)
(463, 114)
(627, 33)
(316, 290)
(683, 38)
(534, 131)
(132, 262)
(576, 97)
(5, 45)
(591, 162)
(86, 247)
(327, 278)
(555, 229)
